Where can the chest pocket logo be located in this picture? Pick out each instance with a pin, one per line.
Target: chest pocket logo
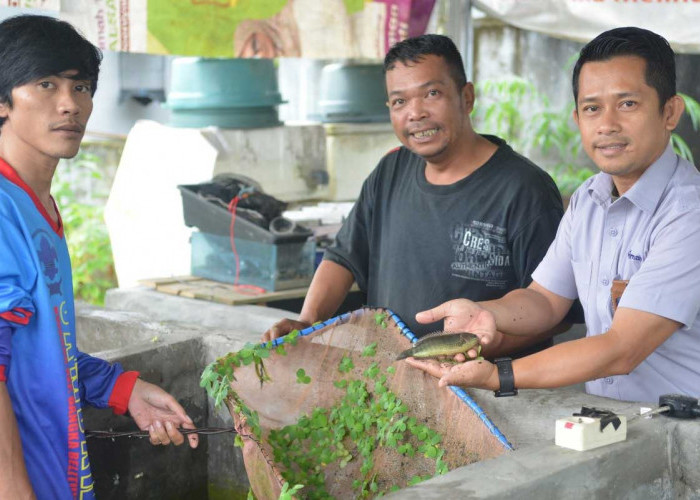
(630, 264)
(634, 257)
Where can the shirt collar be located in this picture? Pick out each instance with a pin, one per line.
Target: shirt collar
(647, 191)
(11, 175)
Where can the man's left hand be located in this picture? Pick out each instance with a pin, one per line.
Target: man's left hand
(478, 373)
(160, 414)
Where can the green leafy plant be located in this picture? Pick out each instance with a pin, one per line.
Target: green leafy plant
(217, 376)
(380, 319)
(287, 493)
(514, 110)
(370, 350)
(500, 109)
(85, 230)
(692, 108)
(302, 377)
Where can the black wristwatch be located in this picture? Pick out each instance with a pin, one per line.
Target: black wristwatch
(505, 377)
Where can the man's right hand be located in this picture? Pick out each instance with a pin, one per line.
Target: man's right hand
(462, 315)
(283, 327)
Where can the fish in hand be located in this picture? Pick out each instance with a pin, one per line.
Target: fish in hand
(441, 344)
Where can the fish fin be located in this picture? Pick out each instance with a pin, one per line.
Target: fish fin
(439, 333)
(430, 335)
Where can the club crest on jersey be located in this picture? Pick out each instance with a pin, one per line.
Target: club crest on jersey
(48, 257)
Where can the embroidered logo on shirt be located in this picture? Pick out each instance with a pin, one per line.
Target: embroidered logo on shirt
(631, 256)
(48, 257)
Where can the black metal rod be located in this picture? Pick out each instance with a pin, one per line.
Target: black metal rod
(204, 431)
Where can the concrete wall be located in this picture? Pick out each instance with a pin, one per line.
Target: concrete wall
(171, 355)
(132, 468)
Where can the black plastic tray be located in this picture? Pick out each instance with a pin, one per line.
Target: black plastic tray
(215, 219)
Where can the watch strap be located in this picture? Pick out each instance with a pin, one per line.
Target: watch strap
(506, 378)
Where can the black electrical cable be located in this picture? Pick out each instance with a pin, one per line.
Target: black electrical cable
(204, 431)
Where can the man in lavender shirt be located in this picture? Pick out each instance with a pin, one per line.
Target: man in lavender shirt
(633, 228)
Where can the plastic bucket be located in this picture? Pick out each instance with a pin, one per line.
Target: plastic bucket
(228, 93)
(353, 93)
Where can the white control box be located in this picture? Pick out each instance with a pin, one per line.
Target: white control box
(584, 433)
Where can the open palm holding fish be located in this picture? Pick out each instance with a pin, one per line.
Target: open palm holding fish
(461, 315)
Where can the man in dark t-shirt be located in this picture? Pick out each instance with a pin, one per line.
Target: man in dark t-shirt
(409, 243)
(450, 214)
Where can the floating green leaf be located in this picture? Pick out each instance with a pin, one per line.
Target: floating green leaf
(287, 493)
(379, 318)
(302, 377)
(370, 350)
(346, 364)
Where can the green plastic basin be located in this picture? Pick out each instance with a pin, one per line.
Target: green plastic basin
(353, 93)
(228, 93)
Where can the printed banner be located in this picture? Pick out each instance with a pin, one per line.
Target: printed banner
(324, 29)
(32, 4)
(676, 20)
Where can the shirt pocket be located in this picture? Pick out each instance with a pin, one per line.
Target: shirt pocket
(582, 277)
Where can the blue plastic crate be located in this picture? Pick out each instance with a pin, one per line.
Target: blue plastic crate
(270, 266)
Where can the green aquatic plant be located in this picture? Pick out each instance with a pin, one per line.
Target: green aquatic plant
(380, 319)
(217, 376)
(367, 417)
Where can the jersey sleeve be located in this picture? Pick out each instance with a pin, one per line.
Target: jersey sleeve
(5, 349)
(103, 384)
(351, 248)
(17, 275)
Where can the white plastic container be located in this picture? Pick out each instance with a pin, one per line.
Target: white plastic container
(584, 433)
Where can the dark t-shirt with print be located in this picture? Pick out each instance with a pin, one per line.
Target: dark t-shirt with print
(412, 245)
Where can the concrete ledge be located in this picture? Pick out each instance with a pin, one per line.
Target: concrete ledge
(163, 307)
(635, 468)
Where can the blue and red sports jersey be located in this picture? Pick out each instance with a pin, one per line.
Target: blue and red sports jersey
(47, 378)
